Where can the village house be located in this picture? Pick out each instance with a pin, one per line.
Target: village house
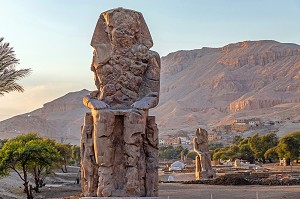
(185, 140)
(161, 141)
(214, 136)
(242, 125)
(170, 141)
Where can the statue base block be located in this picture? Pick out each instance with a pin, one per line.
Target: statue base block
(124, 143)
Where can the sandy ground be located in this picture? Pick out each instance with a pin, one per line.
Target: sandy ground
(62, 185)
(178, 191)
(200, 191)
(192, 191)
(58, 186)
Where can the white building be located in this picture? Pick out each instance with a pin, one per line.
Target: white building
(161, 141)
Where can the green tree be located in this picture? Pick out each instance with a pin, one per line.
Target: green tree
(185, 151)
(18, 154)
(231, 153)
(237, 139)
(220, 154)
(192, 155)
(75, 153)
(177, 152)
(165, 152)
(214, 146)
(29, 153)
(65, 151)
(246, 153)
(259, 145)
(44, 162)
(170, 152)
(271, 154)
(289, 147)
(244, 141)
(8, 74)
(2, 142)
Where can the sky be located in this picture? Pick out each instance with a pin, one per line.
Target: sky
(52, 37)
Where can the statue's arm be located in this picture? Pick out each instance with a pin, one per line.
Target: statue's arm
(151, 85)
(93, 103)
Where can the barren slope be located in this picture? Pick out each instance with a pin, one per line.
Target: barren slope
(211, 86)
(60, 119)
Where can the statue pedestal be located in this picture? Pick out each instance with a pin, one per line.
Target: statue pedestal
(125, 153)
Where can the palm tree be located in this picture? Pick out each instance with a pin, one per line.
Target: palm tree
(8, 74)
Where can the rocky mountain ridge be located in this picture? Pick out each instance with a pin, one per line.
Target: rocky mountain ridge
(59, 119)
(206, 87)
(211, 86)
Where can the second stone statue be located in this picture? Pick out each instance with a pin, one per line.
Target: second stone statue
(119, 139)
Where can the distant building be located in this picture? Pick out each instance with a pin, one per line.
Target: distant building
(241, 127)
(269, 123)
(254, 122)
(161, 141)
(185, 140)
(244, 124)
(238, 121)
(189, 141)
(222, 128)
(214, 136)
(171, 141)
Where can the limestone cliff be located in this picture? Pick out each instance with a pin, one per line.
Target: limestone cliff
(255, 104)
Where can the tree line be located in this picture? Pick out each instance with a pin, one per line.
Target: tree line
(261, 148)
(30, 154)
(255, 148)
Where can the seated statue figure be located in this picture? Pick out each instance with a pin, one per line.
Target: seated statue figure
(203, 161)
(127, 77)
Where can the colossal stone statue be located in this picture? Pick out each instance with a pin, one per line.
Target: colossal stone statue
(124, 138)
(203, 162)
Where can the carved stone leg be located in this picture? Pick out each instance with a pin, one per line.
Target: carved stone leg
(198, 167)
(151, 153)
(88, 163)
(134, 128)
(209, 172)
(104, 121)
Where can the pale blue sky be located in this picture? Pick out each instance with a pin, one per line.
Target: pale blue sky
(53, 36)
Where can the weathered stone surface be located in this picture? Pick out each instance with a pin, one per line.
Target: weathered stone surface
(89, 173)
(125, 138)
(151, 149)
(203, 162)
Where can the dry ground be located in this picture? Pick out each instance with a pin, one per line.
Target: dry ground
(200, 191)
(194, 191)
(62, 185)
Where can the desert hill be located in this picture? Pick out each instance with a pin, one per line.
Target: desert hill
(212, 86)
(206, 88)
(59, 119)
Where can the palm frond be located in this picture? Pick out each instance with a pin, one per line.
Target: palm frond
(8, 74)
